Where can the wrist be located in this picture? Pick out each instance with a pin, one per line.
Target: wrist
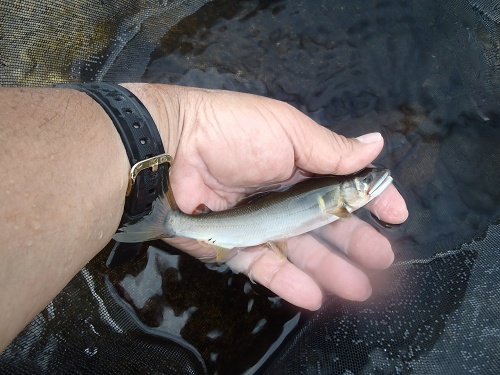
(141, 117)
(163, 102)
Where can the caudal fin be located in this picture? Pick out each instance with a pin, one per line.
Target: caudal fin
(148, 228)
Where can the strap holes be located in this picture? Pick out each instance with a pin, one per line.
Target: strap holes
(152, 191)
(118, 98)
(128, 111)
(136, 125)
(144, 141)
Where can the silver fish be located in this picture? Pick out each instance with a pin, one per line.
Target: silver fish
(269, 219)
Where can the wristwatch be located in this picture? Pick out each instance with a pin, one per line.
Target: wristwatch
(149, 163)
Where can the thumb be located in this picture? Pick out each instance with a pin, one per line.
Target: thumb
(319, 150)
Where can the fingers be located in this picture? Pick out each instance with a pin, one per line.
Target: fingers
(279, 276)
(313, 266)
(389, 206)
(266, 268)
(360, 242)
(333, 272)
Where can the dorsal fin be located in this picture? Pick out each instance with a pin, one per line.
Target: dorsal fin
(251, 198)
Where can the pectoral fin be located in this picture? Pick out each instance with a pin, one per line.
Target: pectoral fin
(251, 198)
(339, 211)
(280, 247)
(220, 252)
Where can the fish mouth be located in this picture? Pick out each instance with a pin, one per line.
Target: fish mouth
(380, 185)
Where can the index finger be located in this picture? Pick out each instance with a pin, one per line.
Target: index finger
(389, 206)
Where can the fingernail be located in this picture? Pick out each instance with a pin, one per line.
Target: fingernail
(370, 137)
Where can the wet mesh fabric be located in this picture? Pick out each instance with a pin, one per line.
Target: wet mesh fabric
(45, 42)
(437, 316)
(426, 74)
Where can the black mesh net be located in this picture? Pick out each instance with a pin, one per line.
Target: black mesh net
(436, 316)
(424, 73)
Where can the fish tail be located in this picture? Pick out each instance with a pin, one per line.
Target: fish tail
(150, 227)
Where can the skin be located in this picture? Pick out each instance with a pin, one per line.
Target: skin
(58, 145)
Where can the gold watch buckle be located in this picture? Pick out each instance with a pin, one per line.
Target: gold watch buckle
(152, 163)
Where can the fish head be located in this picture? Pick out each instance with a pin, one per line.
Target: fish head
(362, 187)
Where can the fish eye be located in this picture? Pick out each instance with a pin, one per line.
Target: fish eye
(368, 179)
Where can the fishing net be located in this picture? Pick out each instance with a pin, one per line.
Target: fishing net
(426, 74)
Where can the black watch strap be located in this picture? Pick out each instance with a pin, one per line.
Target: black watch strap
(144, 148)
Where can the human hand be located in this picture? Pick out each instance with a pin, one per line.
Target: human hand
(227, 145)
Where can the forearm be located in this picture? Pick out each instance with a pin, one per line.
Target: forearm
(64, 175)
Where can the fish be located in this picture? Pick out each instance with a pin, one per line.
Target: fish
(269, 219)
